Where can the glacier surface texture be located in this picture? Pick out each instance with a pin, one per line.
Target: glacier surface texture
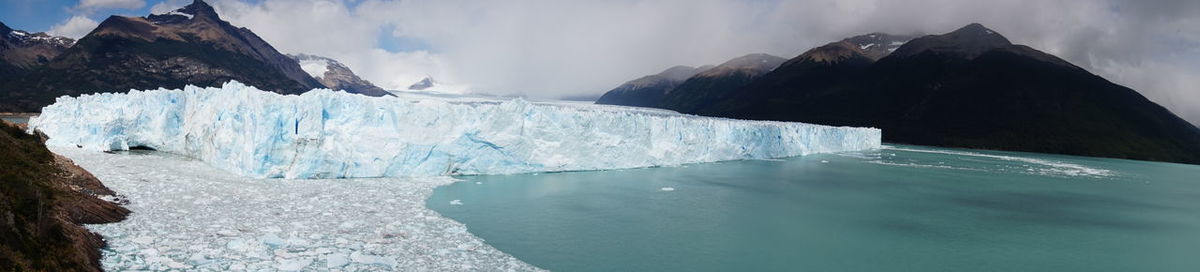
(327, 134)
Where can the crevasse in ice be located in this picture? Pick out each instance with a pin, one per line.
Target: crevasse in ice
(328, 134)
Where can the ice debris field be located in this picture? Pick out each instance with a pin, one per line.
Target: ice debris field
(188, 216)
(328, 134)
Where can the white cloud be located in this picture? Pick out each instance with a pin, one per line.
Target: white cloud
(551, 48)
(331, 29)
(80, 25)
(168, 5)
(1171, 85)
(88, 6)
(75, 27)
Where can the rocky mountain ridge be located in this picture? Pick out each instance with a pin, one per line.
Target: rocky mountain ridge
(336, 76)
(970, 88)
(190, 45)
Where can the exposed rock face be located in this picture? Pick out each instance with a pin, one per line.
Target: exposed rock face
(718, 83)
(425, 83)
(43, 199)
(336, 75)
(648, 91)
(191, 45)
(878, 45)
(26, 50)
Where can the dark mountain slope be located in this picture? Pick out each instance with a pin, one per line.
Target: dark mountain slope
(718, 83)
(972, 88)
(191, 45)
(774, 94)
(649, 90)
(878, 45)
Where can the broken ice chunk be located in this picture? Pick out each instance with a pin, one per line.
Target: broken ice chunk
(143, 240)
(293, 264)
(368, 259)
(336, 260)
(273, 240)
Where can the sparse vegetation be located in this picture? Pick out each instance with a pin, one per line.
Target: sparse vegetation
(39, 210)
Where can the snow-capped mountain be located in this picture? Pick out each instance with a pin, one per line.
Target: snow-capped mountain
(336, 76)
(25, 50)
(190, 45)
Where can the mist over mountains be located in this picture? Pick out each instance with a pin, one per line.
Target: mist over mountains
(968, 88)
(960, 88)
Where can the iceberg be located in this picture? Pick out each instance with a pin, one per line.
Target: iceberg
(329, 134)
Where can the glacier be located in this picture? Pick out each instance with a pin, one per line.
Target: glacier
(331, 134)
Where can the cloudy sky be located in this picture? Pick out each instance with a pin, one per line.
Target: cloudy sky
(553, 48)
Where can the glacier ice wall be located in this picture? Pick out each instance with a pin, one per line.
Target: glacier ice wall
(327, 134)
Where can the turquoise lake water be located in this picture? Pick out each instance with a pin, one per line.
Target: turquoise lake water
(18, 120)
(902, 208)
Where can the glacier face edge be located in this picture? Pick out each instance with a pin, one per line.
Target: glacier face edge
(327, 134)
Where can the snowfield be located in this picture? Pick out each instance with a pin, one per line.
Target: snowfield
(327, 134)
(188, 216)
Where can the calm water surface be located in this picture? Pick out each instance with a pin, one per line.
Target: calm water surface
(903, 208)
(18, 120)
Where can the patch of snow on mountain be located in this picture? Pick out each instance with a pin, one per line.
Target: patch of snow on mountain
(327, 134)
(176, 12)
(315, 67)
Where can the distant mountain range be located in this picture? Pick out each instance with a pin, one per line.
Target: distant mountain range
(968, 88)
(651, 90)
(424, 83)
(20, 50)
(191, 45)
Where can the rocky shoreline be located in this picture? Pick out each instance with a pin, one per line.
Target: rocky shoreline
(45, 199)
